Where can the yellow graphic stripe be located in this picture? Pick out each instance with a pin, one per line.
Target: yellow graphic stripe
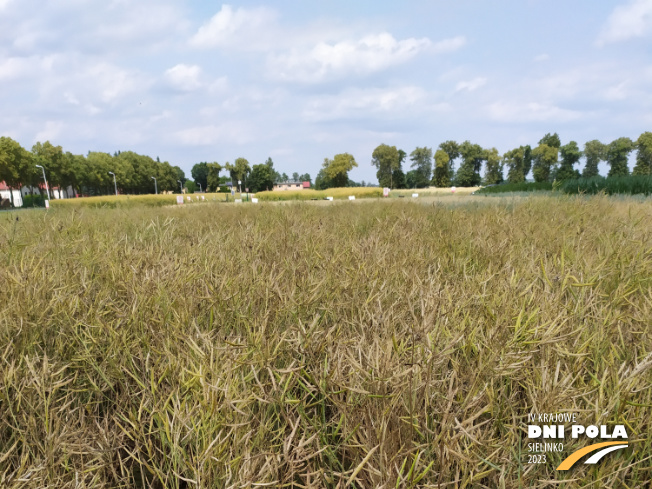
(575, 456)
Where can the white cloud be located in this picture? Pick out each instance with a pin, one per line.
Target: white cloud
(241, 27)
(20, 68)
(112, 82)
(343, 59)
(617, 92)
(363, 103)
(4, 3)
(50, 132)
(471, 85)
(232, 132)
(530, 112)
(90, 86)
(627, 22)
(449, 45)
(145, 24)
(542, 57)
(184, 77)
(220, 85)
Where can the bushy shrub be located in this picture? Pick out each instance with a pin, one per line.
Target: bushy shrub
(35, 200)
(515, 187)
(630, 184)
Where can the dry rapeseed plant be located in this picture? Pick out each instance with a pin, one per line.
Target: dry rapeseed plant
(384, 344)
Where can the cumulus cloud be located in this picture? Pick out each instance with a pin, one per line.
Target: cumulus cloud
(628, 21)
(112, 82)
(23, 67)
(530, 112)
(229, 27)
(353, 103)
(617, 92)
(471, 85)
(184, 77)
(232, 132)
(50, 132)
(449, 45)
(368, 55)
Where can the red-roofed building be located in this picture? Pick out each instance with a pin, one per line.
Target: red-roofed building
(291, 186)
(16, 195)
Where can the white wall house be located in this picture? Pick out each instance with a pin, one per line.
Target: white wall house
(16, 196)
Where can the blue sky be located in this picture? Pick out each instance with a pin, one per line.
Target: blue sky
(192, 81)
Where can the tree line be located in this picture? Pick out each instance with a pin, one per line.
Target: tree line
(87, 175)
(257, 178)
(548, 161)
(452, 163)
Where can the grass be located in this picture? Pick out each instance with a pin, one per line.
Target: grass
(127, 201)
(433, 192)
(631, 184)
(341, 193)
(391, 344)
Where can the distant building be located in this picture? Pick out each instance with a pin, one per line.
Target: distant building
(16, 195)
(291, 186)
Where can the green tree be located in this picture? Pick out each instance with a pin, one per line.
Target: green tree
(595, 152)
(213, 176)
(200, 173)
(260, 178)
(412, 179)
(180, 175)
(551, 140)
(239, 170)
(452, 149)
(321, 181)
(494, 173)
(296, 177)
(190, 187)
(570, 155)
(386, 159)
(398, 178)
(514, 160)
(275, 175)
(166, 177)
(97, 179)
(544, 159)
(337, 170)
(617, 156)
(73, 165)
(442, 175)
(125, 166)
(422, 163)
(284, 177)
(305, 178)
(51, 158)
(16, 165)
(643, 155)
(468, 174)
(527, 160)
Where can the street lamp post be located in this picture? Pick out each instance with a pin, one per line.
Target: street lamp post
(47, 191)
(155, 187)
(180, 185)
(115, 184)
